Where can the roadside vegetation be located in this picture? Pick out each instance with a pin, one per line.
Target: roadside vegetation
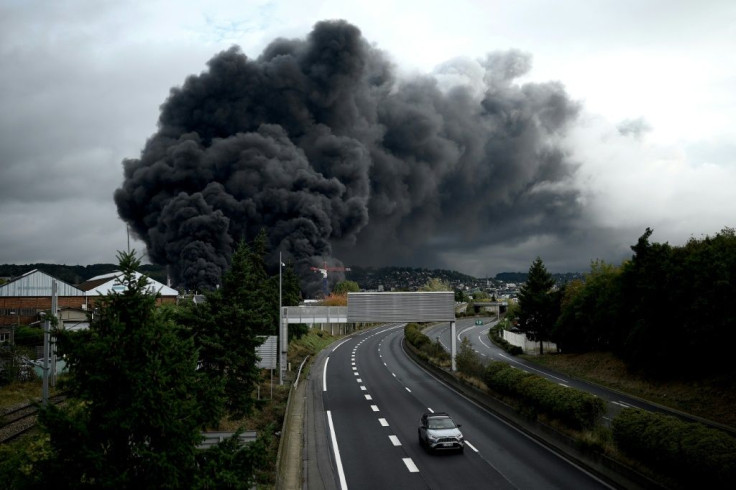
(145, 381)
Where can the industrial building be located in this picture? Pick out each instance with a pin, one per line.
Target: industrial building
(23, 299)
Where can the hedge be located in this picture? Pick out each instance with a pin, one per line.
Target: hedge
(692, 452)
(575, 408)
(494, 333)
(424, 344)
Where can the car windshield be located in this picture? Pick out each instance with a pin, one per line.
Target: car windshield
(440, 423)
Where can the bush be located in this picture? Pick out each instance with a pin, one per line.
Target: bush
(692, 452)
(495, 335)
(424, 345)
(468, 361)
(575, 408)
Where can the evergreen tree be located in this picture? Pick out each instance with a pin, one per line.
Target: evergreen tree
(538, 304)
(137, 403)
(227, 327)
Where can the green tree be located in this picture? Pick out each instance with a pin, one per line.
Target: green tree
(435, 284)
(228, 324)
(591, 316)
(137, 402)
(538, 304)
(345, 287)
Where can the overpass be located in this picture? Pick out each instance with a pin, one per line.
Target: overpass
(402, 307)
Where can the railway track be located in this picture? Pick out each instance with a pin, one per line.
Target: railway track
(19, 420)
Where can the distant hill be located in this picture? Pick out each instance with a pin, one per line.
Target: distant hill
(520, 277)
(404, 278)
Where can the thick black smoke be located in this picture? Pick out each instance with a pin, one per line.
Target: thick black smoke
(317, 142)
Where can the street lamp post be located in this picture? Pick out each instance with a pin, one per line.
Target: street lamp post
(281, 329)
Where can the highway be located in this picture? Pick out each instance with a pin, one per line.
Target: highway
(365, 400)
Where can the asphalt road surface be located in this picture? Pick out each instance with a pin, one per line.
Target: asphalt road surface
(365, 400)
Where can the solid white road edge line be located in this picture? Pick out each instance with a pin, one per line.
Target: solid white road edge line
(324, 375)
(338, 345)
(338, 460)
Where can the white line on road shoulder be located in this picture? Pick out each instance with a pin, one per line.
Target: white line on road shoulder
(338, 460)
(338, 345)
(324, 375)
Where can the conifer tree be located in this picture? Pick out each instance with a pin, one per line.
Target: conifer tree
(136, 403)
(538, 306)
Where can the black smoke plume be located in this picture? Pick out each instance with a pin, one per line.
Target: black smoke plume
(319, 143)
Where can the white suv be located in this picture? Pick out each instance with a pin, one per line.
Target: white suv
(437, 431)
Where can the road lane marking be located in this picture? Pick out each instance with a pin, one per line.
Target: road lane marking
(395, 440)
(471, 446)
(410, 465)
(563, 384)
(338, 460)
(356, 373)
(407, 389)
(338, 345)
(622, 404)
(383, 422)
(527, 368)
(363, 388)
(375, 408)
(368, 397)
(430, 410)
(359, 380)
(324, 375)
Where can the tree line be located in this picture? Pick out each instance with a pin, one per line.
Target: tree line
(668, 311)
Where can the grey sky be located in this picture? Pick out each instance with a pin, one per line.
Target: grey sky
(81, 83)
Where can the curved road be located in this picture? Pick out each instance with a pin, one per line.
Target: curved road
(367, 397)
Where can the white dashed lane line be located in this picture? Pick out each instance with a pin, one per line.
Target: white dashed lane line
(395, 440)
(410, 465)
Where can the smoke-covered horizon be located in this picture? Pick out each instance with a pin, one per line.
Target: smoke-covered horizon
(319, 142)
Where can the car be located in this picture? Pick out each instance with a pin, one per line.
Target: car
(438, 432)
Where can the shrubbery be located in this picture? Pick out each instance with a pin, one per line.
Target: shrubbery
(424, 345)
(494, 333)
(692, 452)
(575, 408)
(468, 361)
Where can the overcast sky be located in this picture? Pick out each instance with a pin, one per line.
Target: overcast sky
(81, 83)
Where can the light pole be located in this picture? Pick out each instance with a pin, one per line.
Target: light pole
(281, 330)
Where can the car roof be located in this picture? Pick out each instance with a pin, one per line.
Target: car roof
(436, 414)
